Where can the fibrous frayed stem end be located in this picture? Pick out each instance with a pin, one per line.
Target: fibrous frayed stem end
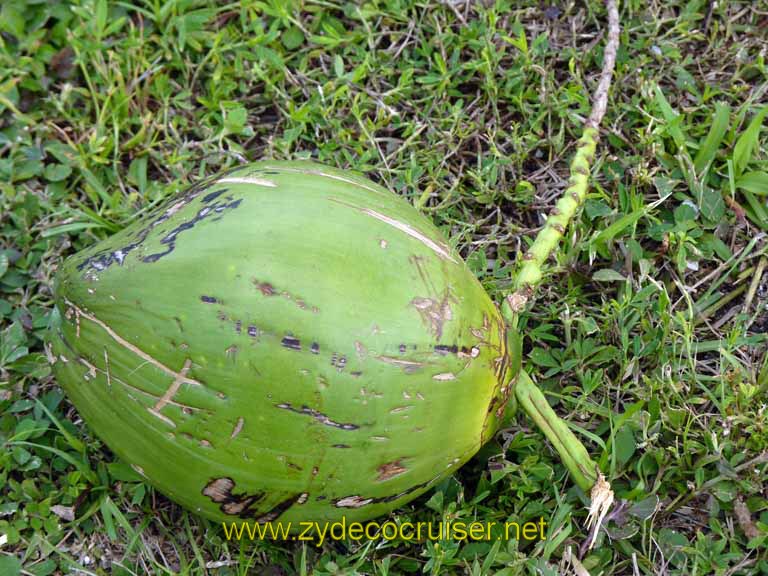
(601, 498)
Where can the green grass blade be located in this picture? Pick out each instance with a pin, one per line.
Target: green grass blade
(755, 210)
(619, 226)
(714, 139)
(754, 182)
(71, 440)
(97, 186)
(747, 142)
(672, 119)
(70, 228)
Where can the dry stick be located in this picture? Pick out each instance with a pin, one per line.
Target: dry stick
(575, 457)
(756, 279)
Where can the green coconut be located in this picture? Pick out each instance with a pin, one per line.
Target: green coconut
(283, 341)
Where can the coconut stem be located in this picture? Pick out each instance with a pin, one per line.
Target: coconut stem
(530, 274)
(575, 457)
(530, 271)
(583, 469)
(571, 451)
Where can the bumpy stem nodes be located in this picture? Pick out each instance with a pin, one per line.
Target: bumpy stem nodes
(530, 272)
(546, 241)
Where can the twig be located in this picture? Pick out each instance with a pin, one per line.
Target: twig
(609, 63)
(754, 284)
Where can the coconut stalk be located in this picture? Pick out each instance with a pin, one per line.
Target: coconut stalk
(530, 273)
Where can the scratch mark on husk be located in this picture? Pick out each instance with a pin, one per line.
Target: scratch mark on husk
(136, 350)
(238, 427)
(438, 248)
(322, 418)
(247, 180)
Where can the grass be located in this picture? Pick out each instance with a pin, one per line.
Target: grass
(650, 336)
